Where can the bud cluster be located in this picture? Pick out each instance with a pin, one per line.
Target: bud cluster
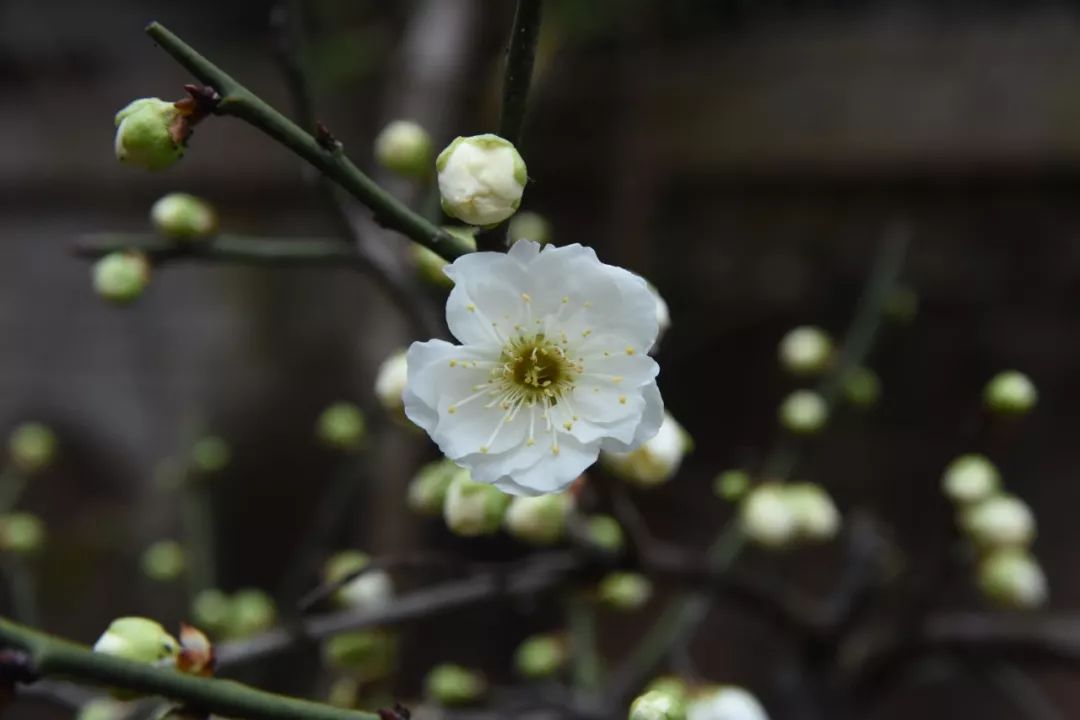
(779, 515)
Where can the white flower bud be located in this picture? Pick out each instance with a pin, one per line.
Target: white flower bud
(473, 508)
(816, 517)
(390, 383)
(481, 179)
(767, 518)
(624, 590)
(370, 591)
(657, 705)
(862, 388)
(604, 532)
(804, 412)
(731, 485)
(183, 217)
(538, 520)
(527, 225)
(725, 702)
(342, 426)
(999, 521)
(540, 656)
(656, 460)
(1010, 393)
(404, 147)
(164, 560)
(970, 478)
(138, 639)
(453, 685)
(121, 277)
(148, 134)
(1012, 578)
(427, 491)
(806, 350)
(32, 447)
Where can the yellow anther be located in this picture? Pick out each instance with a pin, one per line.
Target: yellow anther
(622, 399)
(629, 350)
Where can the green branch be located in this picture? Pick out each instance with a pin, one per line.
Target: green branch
(49, 656)
(327, 156)
(239, 249)
(519, 68)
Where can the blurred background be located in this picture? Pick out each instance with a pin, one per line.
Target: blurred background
(745, 156)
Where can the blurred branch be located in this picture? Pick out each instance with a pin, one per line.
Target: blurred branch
(322, 151)
(238, 249)
(12, 485)
(31, 655)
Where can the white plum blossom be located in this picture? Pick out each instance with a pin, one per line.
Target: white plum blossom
(552, 367)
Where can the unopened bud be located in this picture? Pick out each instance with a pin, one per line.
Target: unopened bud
(390, 384)
(816, 517)
(731, 485)
(121, 277)
(371, 590)
(804, 412)
(656, 460)
(341, 426)
(999, 521)
(138, 639)
(164, 561)
(453, 685)
(148, 134)
(657, 705)
(970, 478)
(103, 708)
(624, 590)
(481, 179)
(404, 147)
(21, 533)
(427, 491)
(538, 520)
(182, 216)
(211, 609)
(252, 611)
(473, 508)
(725, 702)
(32, 447)
(368, 654)
(604, 532)
(431, 266)
(1012, 578)
(806, 350)
(862, 388)
(672, 685)
(767, 517)
(528, 225)
(540, 656)
(1010, 393)
(210, 454)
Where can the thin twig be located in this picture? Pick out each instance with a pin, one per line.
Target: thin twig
(226, 248)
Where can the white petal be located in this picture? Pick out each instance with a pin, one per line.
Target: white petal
(554, 472)
(421, 396)
(651, 420)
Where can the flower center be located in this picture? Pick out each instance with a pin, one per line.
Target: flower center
(536, 365)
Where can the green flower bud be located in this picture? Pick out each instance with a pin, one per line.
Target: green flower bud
(766, 516)
(624, 590)
(816, 517)
(731, 485)
(252, 611)
(21, 533)
(212, 609)
(405, 148)
(341, 426)
(453, 685)
(138, 639)
(902, 305)
(538, 520)
(806, 351)
(149, 134)
(725, 702)
(657, 705)
(390, 384)
(999, 521)
(210, 454)
(970, 478)
(657, 459)
(103, 708)
(164, 561)
(367, 654)
(32, 447)
(528, 226)
(427, 491)
(804, 412)
(862, 388)
(673, 686)
(431, 266)
(1010, 393)
(1011, 577)
(121, 277)
(473, 508)
(605, 532)
(183, 217)
(481, 179)
(372, 590)
(540, 656)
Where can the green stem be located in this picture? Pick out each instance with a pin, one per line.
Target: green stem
(12, 485)
(53, 657)
(239, 249)
(199, 532)
(587, 665)
(237, 101)
(519, 68)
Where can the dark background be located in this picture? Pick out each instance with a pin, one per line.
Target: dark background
(746, 157)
